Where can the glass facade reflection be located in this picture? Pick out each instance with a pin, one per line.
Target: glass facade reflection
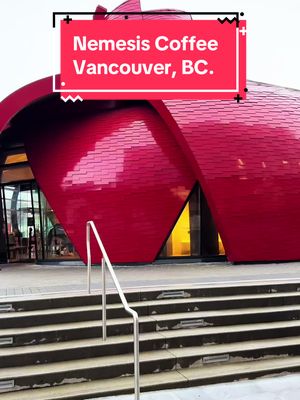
(30, 229)
(194, 234)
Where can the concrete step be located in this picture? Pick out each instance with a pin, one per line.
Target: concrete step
(172, 379)
(226, 317)
(152, 307)
(210, 331)
(72, 331)
(78, 349)
(85, 348)
(40, 302)
(63, 300)
(159, 322)
(230, 333)
(106, 367)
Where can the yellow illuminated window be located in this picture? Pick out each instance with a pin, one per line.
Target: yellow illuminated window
(221, 246)
(179, 242)
(194, 234)
(16, 158)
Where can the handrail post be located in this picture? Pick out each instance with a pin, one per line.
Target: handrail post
(89, 258)
(104, 329)
(136, 359)
(105, 262)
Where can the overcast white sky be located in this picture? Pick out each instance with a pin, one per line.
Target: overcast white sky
(273, 54)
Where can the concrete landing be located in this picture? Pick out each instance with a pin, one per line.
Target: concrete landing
(28, 279)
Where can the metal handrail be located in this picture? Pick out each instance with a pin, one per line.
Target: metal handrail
(134, 314)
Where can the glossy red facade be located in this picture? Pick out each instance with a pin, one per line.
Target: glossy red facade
(131, 170)
(247, 159)
(122, 169)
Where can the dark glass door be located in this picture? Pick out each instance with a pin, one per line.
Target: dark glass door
(29, 229)
(20, 221)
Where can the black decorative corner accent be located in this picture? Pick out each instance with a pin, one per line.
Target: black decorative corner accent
(68, 19)
(126, 14)
(245, 90)
(238, 98)
(226, 19)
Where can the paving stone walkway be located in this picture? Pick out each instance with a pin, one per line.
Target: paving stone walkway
(32, 279)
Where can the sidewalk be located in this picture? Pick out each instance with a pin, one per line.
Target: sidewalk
(28, 279)
(279, 388)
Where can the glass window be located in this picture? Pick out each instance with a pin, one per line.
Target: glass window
(194, 234)
(16, 158)
(179, 242)
(221, 246)
(16, 174)
(56, 242)
(20, 222)
(37, 221)
(32, 229)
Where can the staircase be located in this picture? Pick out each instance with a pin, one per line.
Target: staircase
(52, 348)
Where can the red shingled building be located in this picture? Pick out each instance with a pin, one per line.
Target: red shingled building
(160, 179)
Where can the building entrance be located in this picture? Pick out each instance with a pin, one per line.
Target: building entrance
(23, 232)
(32, 231)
